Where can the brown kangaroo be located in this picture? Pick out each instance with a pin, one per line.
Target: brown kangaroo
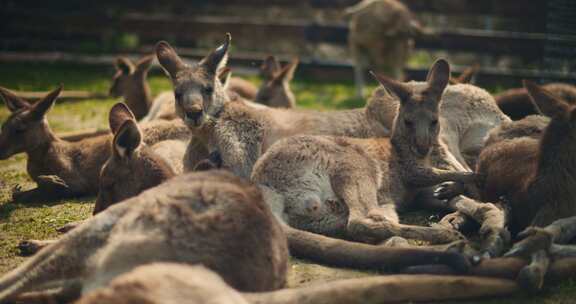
(516, 102)
(351, 187)
(170, 283)
(240, 132)
(211, 218)
(275, 90)
(60, 168)
(133, 166)
(130, 83)
(534, 177)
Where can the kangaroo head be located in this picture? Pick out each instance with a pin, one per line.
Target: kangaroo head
(467, 75)
(132, 166)
(417, 119)
(26, 128)
(549, 105)
(129, 77)
(198, 91)
(275, 89)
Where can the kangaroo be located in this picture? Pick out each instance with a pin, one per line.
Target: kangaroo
(133, 166)
(275, 90)
(467, 112)
(170, 283)
(381, 37)
(130, 83)
(351, 187)
(534, 177)
(62, 169)
(240, 133)
(210, 218)
(467, 75)
(516, 102)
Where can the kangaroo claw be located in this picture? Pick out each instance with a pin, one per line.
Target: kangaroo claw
(448, 190)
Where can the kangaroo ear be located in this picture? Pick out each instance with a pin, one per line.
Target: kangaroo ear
(224, 76)
(119, 113)
(545, 102)
(269, 67)
(399, 89)
(168, 59)
(127, 139)
(438, 77)
(466, 76)
(287, 72)
(41, 107)
(218, 58)
(124, 65)
(144, 64)
(13, 102)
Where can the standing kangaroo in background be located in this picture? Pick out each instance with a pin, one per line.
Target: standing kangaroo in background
(240, 132)
(351, 187)
(60, 168)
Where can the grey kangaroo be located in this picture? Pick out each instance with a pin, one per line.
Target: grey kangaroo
(351, 187)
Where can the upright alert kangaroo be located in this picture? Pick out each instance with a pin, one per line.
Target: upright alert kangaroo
(239, 132)
(351, 187)
(61, 168)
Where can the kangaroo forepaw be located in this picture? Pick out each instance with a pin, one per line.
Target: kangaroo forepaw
(29, 247)
(534, 240)
(455, 220)
(448, 190)
(51, 181)
(531, 277)
(441, 235)
(495, 243)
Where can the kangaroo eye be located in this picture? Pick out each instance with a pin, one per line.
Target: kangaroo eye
(177, 95)
(207, 90)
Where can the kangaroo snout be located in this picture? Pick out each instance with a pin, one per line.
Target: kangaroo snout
(193, 116)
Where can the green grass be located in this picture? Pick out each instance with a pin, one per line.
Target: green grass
(39, 221)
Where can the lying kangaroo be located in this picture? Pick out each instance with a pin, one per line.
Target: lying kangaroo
(351, 187)
(240, 133)
(133, 166)
(204, 218)
(534, 177)
(211, 218)
(467, 114)
(275, 90)
(516, 102)
(171, 283)
(62, 169)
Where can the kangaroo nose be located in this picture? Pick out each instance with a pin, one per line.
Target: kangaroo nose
(193, 115)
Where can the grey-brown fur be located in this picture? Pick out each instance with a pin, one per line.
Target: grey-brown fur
(201, 218)
(61, 168)
(241, 132)
(467, 114)
(351, 187)
(275, 89)
(134, 166)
